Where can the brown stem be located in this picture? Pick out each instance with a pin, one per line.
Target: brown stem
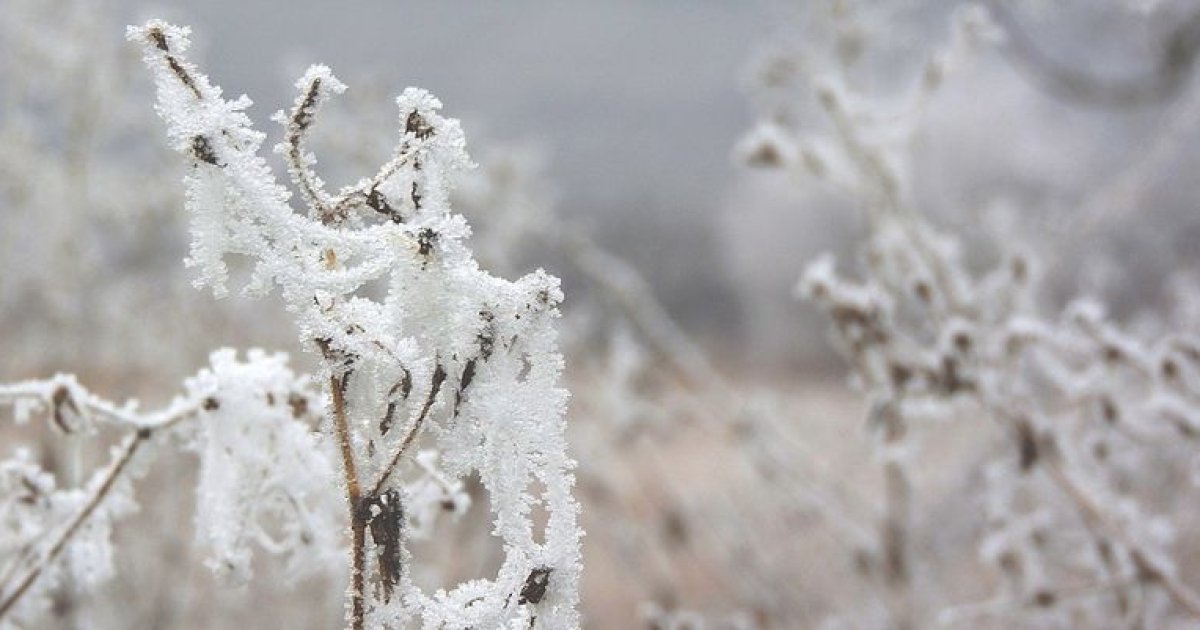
(360, 192)
(358, 523)
(897, 572)
(439, 376)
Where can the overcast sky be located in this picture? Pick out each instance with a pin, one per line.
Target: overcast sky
(636, 102)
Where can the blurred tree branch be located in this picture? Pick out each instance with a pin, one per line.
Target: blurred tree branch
(1159, 83)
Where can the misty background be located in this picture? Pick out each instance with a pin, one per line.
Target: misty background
(638, 110)
(637, 106)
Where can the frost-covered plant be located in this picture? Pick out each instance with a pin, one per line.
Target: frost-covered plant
(414, 339)
(1080, 512)
(249, 423)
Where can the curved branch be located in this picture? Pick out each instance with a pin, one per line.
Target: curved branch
(318, 83)
(1160, 83)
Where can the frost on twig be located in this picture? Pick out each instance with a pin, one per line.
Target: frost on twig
(449, 353)
(53, 535)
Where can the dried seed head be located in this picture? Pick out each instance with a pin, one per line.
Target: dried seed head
(535, 586)
(384, 516)
(426, 240)
(417, 125)
(202, 150)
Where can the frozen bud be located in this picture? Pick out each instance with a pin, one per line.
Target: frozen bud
(818, 278)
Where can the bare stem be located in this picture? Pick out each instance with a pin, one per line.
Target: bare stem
(358, 523)
(897, 572)
(439, 376)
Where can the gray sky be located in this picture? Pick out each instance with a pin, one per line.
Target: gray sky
(637, 103)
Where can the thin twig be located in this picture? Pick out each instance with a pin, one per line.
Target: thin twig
(439, 375)
(1146, 562)
(132, 444)
(1095, 516)
(298, 124)
(145, 426)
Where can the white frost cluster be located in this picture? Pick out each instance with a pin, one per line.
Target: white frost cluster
(265, 478)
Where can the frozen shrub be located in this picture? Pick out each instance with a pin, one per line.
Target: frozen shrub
(431, 371)
(1082, 506)
(448, 351)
